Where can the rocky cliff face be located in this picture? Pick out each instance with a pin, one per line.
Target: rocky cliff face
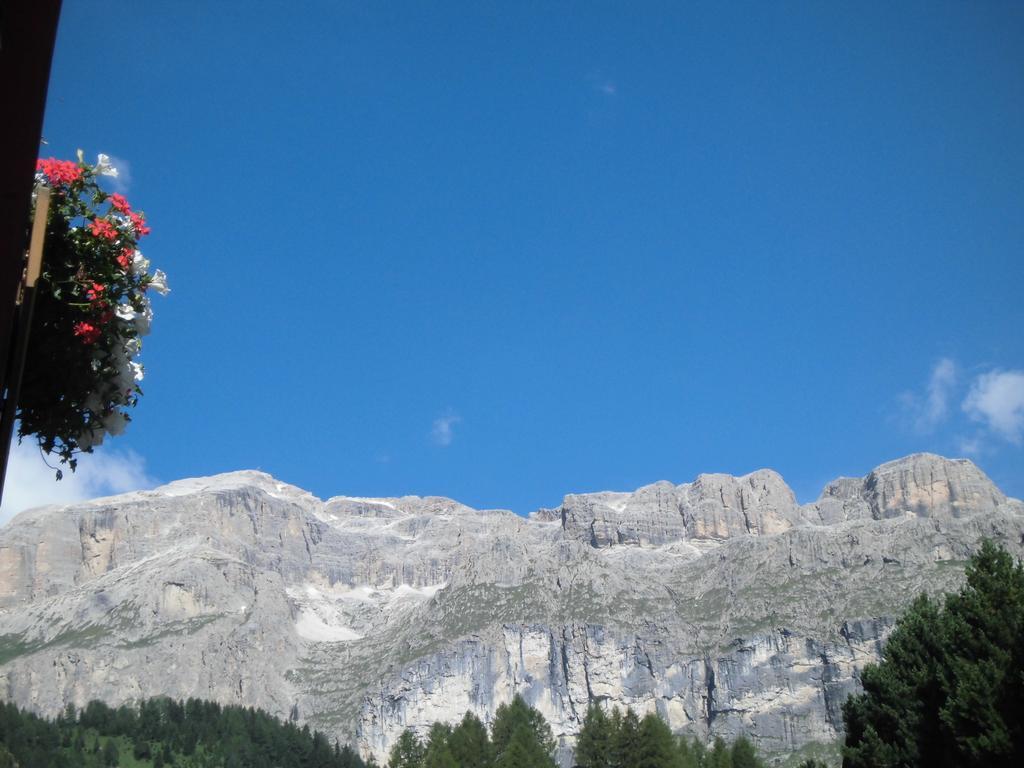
(722, 603)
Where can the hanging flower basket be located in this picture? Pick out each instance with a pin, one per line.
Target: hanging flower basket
(91, 312)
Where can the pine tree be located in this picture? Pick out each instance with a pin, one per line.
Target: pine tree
(950, 688)
(626, 741)
(895, 721)
(407, 752)
(515, 753)
(349, 758)
(189, 743)
(520, 723)
(656, 744)
(437, 753)
(594, 744)
(720, 756)
(686, 753)
(111, 755)
(469, 743)
(985, 661)
(744, 755)
(525, 750)
(142, 750)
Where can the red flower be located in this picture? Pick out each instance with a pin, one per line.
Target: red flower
(139, 222)
(88, 332)
(103, 228)
(59, 171)
(120, 203)
(94, 293)
(124, 258)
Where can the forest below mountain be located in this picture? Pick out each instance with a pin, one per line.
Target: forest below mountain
(520, 737)
(163, 733)
(949, 692)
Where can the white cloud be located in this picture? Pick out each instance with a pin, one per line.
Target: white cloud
(928, 411)
(996, 399)
(603, 82)
(970, 446)
(940, 385)
(443, 431)
(30, 482)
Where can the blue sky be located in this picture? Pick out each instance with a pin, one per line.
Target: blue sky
(502, 252)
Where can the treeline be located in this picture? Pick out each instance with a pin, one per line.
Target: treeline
(520, 737)
(163, 733)
(626, 741)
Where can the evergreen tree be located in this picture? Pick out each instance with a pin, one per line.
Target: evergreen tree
(895, 721)
(524, 749)
(440, 758)
(437, 753)
(594, 744)
(111, 755)
(407, 752)
(656, 744)
(984, 712)
(626, 741)
(950, 688)
(720, 755)
(520, 723)
(349, 758)
(68, 716)
(189, 743)
(744, 755)
(514, 754)
(469, 743)
(688, 753)
(142, 750)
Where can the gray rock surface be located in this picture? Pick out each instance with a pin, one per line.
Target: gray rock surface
(722, 604)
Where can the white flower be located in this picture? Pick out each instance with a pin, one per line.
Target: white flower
(137, 370)
(143, 320)
(122, 385)
(159, 283)
(93, 402)
(133, 346)
(104, 168)
(92, 437)
(139, 262)
(125, 312)
(115, 422)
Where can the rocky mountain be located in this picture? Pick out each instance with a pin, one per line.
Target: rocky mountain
(722, 603)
